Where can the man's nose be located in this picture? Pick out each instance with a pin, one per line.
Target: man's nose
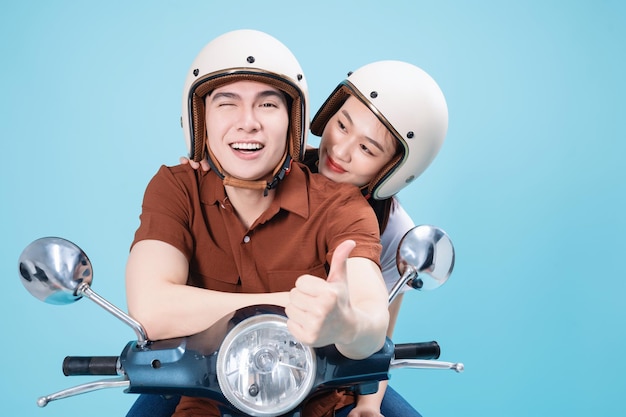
(248, 119)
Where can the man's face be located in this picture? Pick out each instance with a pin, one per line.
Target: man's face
(247, 124)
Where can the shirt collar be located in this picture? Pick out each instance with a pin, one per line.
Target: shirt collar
(291, 194)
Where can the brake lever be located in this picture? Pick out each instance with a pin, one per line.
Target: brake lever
(425, 364)
(122, 381)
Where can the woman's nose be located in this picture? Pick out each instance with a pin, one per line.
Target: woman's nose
(342, 149)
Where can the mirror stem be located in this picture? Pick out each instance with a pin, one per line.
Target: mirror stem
(409, 274)
(85, 290)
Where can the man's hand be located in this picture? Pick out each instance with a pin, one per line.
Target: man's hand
(319, 311)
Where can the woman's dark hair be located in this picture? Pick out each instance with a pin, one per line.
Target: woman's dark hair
(382, 208)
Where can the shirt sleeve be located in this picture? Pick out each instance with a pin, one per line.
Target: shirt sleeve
(353, 219)
(166, 210)
(398, 224)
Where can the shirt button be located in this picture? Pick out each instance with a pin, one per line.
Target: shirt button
(246, 239)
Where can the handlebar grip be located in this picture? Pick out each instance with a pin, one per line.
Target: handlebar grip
(424, 350)
(90, 365)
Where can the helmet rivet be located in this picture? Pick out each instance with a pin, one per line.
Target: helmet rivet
(299, 76)
(410, 135)
(373, 94)
(250, 60)
(411, 178)
(196, 72)
(349, 73)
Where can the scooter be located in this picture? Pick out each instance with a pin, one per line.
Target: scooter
(247, 361)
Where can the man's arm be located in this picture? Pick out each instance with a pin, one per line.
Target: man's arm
(158, 297)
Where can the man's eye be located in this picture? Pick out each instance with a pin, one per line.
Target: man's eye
(268, 105)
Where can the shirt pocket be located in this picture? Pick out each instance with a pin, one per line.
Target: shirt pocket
(216, 271)
(286, 280)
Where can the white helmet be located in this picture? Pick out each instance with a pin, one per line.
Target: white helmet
(245, 55)
(409, 103)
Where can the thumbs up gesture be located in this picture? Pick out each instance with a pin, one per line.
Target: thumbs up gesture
(319, 310)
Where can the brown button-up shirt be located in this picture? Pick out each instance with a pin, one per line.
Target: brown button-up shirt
(308, 218)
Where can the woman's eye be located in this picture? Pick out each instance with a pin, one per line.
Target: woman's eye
(341, 125)
(366, 149)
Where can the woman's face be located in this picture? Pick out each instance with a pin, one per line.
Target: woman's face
(355, 145)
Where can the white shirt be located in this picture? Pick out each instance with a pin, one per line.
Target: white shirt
(398, 224)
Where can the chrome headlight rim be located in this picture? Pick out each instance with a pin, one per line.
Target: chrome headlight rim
(248, 326)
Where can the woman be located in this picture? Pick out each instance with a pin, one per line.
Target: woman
(380, 129)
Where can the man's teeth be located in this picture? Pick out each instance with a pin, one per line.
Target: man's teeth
(247, 146)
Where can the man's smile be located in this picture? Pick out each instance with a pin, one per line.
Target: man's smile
(246, 146)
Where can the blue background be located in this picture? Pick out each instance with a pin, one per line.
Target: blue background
(529, 184)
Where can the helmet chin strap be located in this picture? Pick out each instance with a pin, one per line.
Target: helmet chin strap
(265, 185)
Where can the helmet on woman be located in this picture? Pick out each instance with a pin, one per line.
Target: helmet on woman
(247, 55)
(409, 103)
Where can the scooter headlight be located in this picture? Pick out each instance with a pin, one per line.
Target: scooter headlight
(262, 369)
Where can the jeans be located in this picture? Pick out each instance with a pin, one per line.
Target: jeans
(153, 405)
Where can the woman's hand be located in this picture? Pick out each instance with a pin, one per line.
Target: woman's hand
(195, 165)
(369, 405)
(365, 411)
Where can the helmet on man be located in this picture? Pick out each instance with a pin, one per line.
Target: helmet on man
(252, 56)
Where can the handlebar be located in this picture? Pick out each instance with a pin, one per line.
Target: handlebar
(92, 365)
(407, 355)
(424, 350)
(110, 365)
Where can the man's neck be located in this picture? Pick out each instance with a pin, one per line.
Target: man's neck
(249, 204)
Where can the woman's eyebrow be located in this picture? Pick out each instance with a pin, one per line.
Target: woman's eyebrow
(347, 115)
(374, 142)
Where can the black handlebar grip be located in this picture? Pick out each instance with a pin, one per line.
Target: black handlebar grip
(90, 365)
(424, 350)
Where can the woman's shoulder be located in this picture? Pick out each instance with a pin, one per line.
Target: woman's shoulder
(311, 158)
(398, 224)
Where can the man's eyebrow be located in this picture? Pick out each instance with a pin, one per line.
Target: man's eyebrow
(273, 93)
(262, 94)
(223, 94)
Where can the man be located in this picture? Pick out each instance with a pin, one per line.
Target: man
(258, 228)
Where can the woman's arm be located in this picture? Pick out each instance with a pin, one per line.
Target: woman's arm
(369, 405)
(398, 224)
